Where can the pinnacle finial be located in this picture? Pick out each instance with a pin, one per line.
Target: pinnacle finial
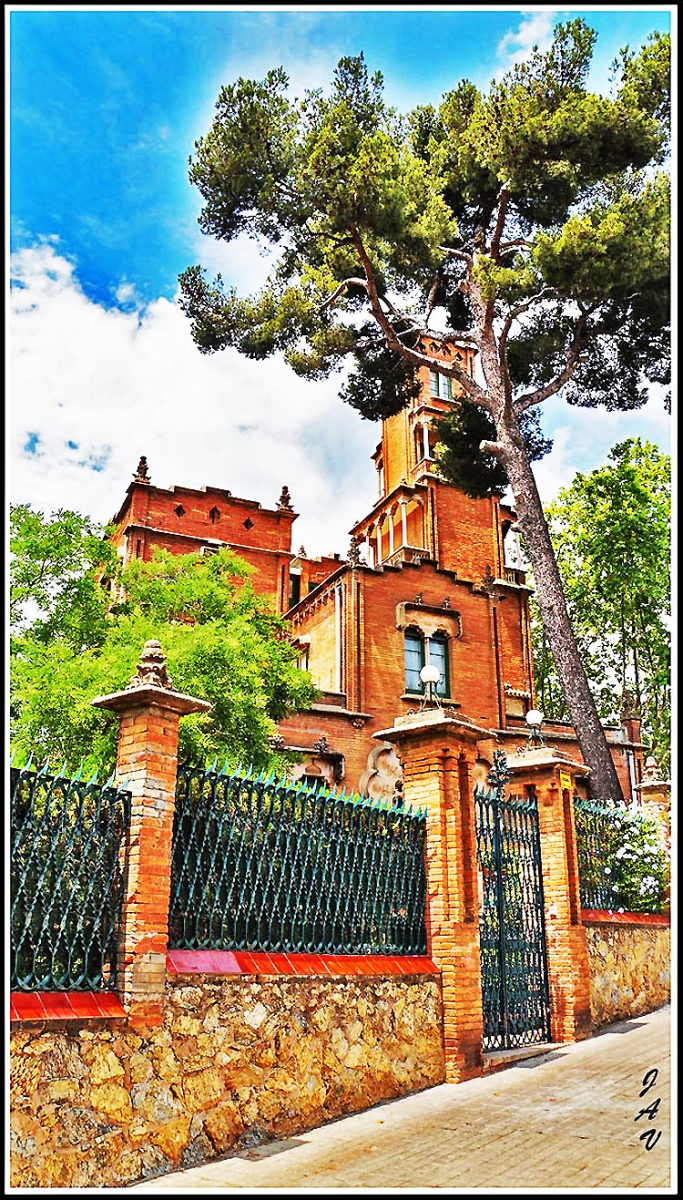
(285, 501)
(353, 557)
(142, 474)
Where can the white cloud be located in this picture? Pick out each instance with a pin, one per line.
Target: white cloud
(583, 438)
(93, 389)
(535, 29)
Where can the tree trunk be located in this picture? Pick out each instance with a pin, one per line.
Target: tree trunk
(603, 780)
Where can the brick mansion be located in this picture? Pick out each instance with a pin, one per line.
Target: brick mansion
(430, 577)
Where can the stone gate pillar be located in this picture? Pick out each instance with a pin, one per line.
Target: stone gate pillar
(147, 758)
(552, 775)
(437, 754)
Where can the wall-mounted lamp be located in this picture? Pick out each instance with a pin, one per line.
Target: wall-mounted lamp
(430, 676)
(534, 720)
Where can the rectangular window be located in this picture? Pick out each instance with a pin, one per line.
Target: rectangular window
(294, 588)
(440, 385)
(414, 662)
(438, 657)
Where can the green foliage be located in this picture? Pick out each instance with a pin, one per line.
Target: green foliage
(57, 564)
(460, 457)
(221, 641)
(536, 189)
(383, 385)
(612, 535)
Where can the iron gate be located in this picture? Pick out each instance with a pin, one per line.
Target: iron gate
(514, 976)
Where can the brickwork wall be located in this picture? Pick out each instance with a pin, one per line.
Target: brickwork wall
(236, 519)
(437, 764)
(620, 754)
(396, 450)
(320, 628)
(261, 536)
(304, 729)
(630, 969)
(514, 665)
(467, 533)
(235, 1063)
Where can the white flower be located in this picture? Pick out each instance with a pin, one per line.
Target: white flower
(608, 870)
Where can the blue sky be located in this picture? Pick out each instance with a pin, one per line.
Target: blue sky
(104, 108)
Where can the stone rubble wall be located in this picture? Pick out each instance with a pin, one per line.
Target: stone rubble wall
(630, 970)
(237, 1062)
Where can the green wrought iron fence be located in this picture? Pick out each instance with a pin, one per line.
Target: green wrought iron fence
(67, 880)
(598, 837)
(260, 865)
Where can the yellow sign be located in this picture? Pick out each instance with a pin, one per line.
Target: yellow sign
(565, 781)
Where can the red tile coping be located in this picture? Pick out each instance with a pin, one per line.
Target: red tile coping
(596, 916)
(254, 962)
(64, 1006)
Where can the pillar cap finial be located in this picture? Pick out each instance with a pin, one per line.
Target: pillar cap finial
(152, 684)
(151, 671)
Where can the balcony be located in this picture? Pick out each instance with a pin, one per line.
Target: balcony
(406, 554)
(515, 576)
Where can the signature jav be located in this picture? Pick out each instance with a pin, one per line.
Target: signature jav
(649, 1136)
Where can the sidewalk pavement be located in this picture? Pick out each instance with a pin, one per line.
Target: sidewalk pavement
(566, 1120)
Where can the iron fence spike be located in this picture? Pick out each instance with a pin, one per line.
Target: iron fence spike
(213, 765)
(27, 766)
(94, 778)
(44, 769)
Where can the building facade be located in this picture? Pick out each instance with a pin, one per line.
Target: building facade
(431, 577)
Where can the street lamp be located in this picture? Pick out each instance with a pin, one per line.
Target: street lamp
(430, 676)
(534, 720)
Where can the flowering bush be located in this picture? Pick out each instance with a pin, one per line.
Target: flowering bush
(640, 871)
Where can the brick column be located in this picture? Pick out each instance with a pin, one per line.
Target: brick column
(437, 753)
(549, 772)
(147, 758)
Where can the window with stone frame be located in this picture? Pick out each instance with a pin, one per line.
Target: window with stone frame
(419, 650)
